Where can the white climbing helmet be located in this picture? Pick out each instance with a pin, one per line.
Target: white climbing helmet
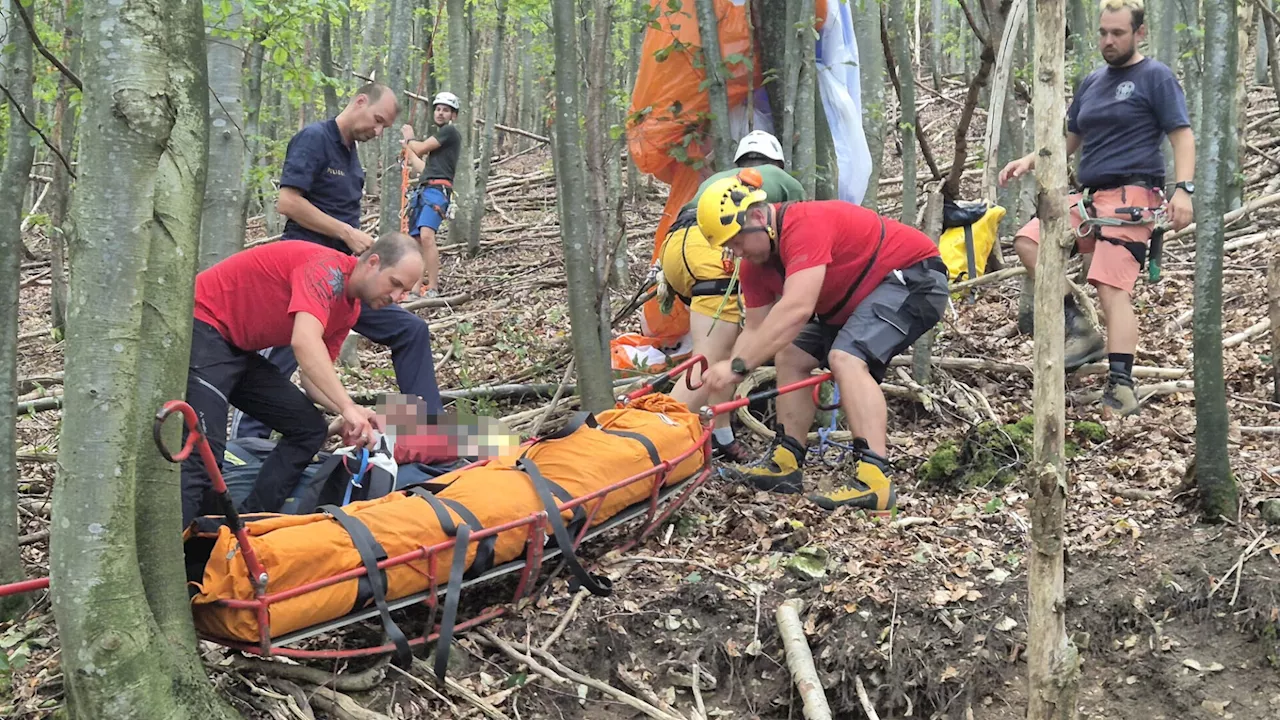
(759, 141)
(450, 100)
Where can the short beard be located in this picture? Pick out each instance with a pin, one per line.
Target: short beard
(1123, 60)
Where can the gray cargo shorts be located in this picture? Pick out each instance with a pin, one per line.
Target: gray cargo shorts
(905, 305)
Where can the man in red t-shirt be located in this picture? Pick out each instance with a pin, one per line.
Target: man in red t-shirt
(285, 293)
(824, 284)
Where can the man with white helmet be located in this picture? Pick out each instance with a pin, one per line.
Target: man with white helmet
(703, 278)
(431, 201)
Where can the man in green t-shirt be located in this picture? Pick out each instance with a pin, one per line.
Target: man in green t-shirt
(702, 276)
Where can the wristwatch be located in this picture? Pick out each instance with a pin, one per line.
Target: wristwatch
(1187, 185)
(738, 366)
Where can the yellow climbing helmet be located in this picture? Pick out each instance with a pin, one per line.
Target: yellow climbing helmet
(722, 209)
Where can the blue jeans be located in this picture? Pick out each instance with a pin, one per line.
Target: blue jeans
(393, 326)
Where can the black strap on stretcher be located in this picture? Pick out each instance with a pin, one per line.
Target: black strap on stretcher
(548, 491)
(371, 553)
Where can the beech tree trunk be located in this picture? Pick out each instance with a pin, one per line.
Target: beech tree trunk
(717, 88)
(592, 357)
(1218, 492)
(806, 152)
(1273, 294)
(491, 114)
(116, 564)
(1053, 663)
(331, 107)
(66, 121)
(13, 186)
(907, 106)
(392, 200)
(866, 29)
(464, 178)
(223, 217)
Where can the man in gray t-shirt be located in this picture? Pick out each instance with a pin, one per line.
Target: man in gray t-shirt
(1118, 117)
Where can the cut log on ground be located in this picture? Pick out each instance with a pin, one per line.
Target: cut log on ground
(800, 662)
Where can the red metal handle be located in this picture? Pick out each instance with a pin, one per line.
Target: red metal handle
(24, 586)
(718, 409)
(657, 380)
(817, 400)
(196, 437)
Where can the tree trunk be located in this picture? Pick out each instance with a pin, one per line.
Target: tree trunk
(907, 105)
(1190, 62)
(116, 564)
(805, 161)
(252, 111)
(331, 107)
(464, 184)
(935, 43)
(999, 97)
(1261, 60)
(592, 358)
(64, 136)
(1273, 294)
(1273, 58)
(13, 185)
(1239, 115)
(1052, 659)
(717, 88)
(922, 351)
(866, 29)
(639, 11)
(491, 118)
(392, 199)
(1218, 492)
(597, 65)
(994, 29)
(348, 53)
(222, 225)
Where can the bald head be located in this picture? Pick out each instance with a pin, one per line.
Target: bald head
(371, 110)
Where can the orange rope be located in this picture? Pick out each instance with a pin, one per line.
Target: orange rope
(404, 189)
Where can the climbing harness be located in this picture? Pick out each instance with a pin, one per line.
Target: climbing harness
(1157, 217)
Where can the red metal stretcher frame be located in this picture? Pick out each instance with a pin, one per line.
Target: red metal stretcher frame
(535, 522)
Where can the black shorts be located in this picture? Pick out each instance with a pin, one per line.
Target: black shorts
(904, 306)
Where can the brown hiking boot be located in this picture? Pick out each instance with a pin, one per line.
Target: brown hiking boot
(1083, 346)
(1119, 398)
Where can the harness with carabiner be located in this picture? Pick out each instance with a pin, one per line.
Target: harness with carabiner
(1149, 255)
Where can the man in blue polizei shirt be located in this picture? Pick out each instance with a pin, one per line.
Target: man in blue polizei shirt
(321, 186)
(1120, 115)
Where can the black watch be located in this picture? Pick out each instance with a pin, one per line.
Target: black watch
(738, 366)
(1187, 185)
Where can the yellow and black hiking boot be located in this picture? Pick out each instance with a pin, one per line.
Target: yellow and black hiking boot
(779, 470)
(869, 489)
(1119, 398)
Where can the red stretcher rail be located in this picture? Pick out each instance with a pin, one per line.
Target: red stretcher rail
(535, 522)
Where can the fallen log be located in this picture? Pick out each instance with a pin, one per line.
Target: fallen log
(436, 302)
(1255, 204)
(800, 662)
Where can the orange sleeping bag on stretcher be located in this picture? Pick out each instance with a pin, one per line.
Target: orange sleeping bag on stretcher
(589, 455)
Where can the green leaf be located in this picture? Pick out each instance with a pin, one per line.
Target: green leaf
(693, 577)
(993, 505)
(279, 56)
(674, 5)
(517, 680)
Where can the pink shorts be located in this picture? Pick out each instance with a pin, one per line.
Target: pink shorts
(1113, 264)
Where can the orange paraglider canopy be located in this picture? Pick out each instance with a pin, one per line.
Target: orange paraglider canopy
(667, 132)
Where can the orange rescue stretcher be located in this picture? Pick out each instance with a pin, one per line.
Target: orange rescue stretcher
(268, 582)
